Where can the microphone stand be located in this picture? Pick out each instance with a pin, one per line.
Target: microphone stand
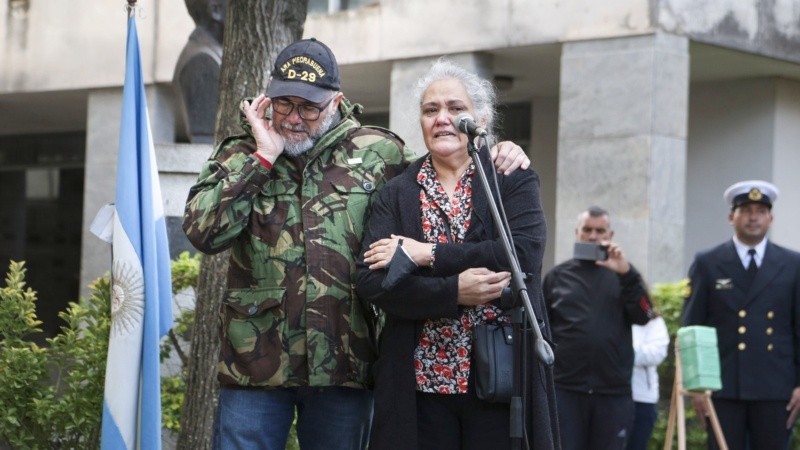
(542, 349)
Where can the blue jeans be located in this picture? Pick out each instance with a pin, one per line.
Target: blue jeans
(643, 422)
(327, 418)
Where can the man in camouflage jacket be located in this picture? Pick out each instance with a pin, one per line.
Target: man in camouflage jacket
(290, 198)
(293, 231)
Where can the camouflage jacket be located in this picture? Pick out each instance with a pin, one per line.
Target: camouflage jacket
(290, 316)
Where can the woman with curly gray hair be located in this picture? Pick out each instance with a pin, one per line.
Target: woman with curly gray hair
(433, 263)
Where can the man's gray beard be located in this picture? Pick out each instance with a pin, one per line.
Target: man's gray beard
(302, 147)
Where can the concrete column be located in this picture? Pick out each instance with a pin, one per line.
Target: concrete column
(404, 101)
(102, 141)
(741, 130)
(786, 162)
(622, 146)
(102, 145)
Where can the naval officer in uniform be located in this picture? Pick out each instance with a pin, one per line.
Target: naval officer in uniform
(749, 290)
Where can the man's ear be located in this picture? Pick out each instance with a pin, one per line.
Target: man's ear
(336, 100)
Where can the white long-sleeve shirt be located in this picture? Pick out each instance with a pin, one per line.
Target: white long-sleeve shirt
(650, 343)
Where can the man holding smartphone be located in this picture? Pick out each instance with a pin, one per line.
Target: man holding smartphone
(592, 301)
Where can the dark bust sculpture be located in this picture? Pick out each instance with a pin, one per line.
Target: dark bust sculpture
(196, 78)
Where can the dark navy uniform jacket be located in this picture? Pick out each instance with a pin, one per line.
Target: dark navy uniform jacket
(758, 329)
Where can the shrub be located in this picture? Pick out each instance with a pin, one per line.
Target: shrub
(185, 270)
(668, 300)
(53, 394)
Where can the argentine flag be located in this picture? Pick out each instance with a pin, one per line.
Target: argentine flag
(141, 297)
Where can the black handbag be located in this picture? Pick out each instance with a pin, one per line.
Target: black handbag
(493, 359)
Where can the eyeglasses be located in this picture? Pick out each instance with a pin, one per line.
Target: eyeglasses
(307, 111)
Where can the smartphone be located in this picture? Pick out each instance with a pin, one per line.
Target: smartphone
(590, 251)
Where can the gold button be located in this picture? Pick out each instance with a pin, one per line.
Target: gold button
(742, 330)
(770, 315)
(769, 331)
(742, 346)
(769, 347)
(742, 313)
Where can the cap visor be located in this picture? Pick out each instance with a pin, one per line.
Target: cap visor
(280, 88)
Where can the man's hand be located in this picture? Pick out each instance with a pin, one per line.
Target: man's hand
(701, 408)
(381, 252)
(508, 157)
(481, 285)
(793, 407)
(269, 143)
(616, 259)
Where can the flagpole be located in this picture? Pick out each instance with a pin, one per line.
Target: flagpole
(131, 7)
(141, 309)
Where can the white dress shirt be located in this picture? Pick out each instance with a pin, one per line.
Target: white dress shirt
(744, 255)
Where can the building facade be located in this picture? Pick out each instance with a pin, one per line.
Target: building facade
(649, 108)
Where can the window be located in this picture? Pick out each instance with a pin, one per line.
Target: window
(515, 123)
(41, 215)
(42, 183)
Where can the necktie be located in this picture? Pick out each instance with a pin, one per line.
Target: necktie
(752, 268)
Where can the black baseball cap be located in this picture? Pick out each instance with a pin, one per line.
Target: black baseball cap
(305, 69)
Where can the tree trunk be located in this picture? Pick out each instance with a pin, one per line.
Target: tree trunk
(255, 31)
(200, 395)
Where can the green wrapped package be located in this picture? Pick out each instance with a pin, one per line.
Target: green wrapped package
(699, 358)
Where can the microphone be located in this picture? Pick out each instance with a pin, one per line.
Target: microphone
(466, 124)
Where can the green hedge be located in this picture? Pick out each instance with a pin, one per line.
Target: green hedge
(668, 299)
(52, 394)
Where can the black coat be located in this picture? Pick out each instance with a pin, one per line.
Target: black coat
(758, 330)
(591, 310)
(429, 294)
